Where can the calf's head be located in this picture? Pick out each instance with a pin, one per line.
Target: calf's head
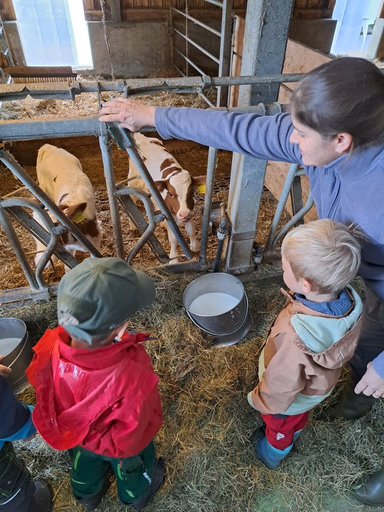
(177, 192)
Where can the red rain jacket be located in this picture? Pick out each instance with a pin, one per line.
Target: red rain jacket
(105, 400)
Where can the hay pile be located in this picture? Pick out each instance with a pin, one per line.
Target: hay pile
(207, 422)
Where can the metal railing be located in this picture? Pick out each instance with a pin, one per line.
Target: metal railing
(50, 128)
(225, 36)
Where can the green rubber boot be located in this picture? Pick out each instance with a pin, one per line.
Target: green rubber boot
(371, 491)
(350, 406)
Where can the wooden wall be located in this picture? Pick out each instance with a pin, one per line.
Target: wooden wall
(303, 9)
(93, 10)
(7, 12)
(313, 9)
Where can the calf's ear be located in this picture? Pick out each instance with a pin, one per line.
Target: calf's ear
(199, 180)
(73, 209)
(160, 185)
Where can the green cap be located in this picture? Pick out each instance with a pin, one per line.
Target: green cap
(99, 295)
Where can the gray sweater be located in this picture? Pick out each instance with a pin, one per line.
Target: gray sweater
(350, 189)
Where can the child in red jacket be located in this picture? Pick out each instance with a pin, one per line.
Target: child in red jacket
(96, 392)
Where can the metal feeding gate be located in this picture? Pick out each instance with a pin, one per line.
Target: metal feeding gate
(52, 128)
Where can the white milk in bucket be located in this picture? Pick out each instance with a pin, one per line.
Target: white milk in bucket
(213, 304)
(8, 344)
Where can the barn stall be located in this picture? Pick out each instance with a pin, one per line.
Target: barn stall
(204, 439)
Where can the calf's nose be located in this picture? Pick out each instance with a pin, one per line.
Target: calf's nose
(184, 215)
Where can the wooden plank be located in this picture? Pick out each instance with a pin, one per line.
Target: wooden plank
(162, 14)
(300, 4)
(93, 15)
(313, 13)
(301, 59)
(157, 4)
(44, 71)
(275, 175)
(238, 41)
(88, 5)
(7, 11)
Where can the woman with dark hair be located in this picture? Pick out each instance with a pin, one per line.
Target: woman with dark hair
(336, 132)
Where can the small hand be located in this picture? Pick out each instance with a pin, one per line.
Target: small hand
(4, 370)
(371, 384)
(129, 113)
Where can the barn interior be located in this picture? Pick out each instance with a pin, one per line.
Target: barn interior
(60, 60)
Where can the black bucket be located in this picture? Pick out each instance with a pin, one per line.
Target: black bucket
(17, 351)
(217, 304)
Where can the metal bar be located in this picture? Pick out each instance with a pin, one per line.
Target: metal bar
(209, 102)
(225, 50)
(29, 129)
(111, 188)
(211, 170)
(207, 27)
(201, 94)
(299, 215)
(178, 69)
(17, 248)
(137, 217)
(186, 40)
(19, 172)
(189, 61)
(147, 233)
(193, 43)
(296, 196)
(47, 128)
(57, 90)
(280, 205)
(22, 294)
(215, 2)
(47, 233)
(124, 141)
(188, 266)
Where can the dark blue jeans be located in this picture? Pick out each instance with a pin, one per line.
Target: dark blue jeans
(371, 342)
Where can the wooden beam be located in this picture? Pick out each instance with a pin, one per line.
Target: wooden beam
(313, 13)
(161, 14)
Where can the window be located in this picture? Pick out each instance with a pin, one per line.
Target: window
(53, 33)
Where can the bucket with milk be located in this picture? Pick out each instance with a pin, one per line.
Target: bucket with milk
(17, 351)
(217, 304)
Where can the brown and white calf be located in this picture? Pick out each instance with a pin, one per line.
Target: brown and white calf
(174, 183)
(61, 177)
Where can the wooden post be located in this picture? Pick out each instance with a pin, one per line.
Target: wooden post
(237, 52)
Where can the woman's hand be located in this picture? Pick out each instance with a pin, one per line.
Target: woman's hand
(4, 370)
(129, 113)
(371, 384)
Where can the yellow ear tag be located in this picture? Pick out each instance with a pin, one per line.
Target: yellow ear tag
(201, 189)
(76, 219)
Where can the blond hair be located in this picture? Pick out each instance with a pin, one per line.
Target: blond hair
(324, 252)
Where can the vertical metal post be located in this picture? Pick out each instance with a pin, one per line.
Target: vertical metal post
(225, 50)
(280, 205)
(211, 171)
(110, 184)
(296, 196)
(186, 41)
(266, 31)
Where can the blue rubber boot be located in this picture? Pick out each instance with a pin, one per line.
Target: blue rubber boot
(296, 434)
(267, 453)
